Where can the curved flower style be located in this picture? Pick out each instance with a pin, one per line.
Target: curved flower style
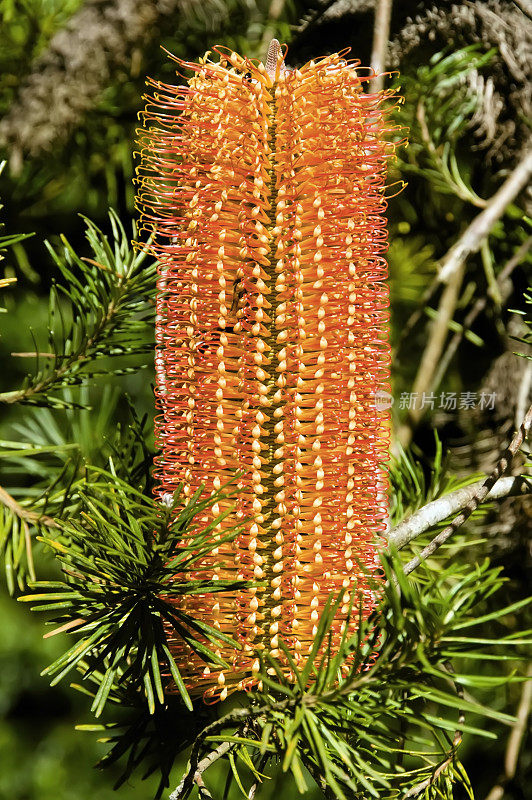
(264, 190)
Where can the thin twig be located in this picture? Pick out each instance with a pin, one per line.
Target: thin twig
(416, 790)
(525, 6)
(381, 35)
(479, 497)
(477, 308)
(33, 354)
(239, 716)
(519, 728)
(270, 28)
(70, 360)
(435, 512)
(432, 354)
(471, 239)
(515, 740)
(23, 513)
(201, 766)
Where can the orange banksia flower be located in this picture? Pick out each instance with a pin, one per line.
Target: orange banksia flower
(263, 188)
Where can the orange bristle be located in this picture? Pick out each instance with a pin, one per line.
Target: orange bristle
(264, 190)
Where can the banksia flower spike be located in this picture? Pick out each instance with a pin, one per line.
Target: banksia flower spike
(263, 188)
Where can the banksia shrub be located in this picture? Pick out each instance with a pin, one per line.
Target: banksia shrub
(263, 191)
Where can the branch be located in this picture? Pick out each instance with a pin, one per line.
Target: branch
(464, 193)
(483, 223)
(515, 739)
(524, 393)
(432, 354)
(519, 727)
(70, 362)
(434, 513)
(478, 498)
(195, 767)
(201, 766)
(270, 27)
(477, 308)
(457, 738)
(525, 6)
(381, 35)
(23, 513)
(109, 306)
(471, 239)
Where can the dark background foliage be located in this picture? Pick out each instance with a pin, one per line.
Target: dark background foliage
(71, 83)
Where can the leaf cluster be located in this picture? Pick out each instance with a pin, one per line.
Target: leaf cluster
(57, 452)
(100, 315)
(91, 427)
(526, 315)
(126, 560)
(392, 723)
(103, 310)
(415, 480)
(442, 108)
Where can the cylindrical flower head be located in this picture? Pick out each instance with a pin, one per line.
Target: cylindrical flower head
(263, 188)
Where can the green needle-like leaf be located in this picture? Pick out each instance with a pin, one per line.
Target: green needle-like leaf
(125, 567)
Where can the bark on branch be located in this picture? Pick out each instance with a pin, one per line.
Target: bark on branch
(515, 740)
(483, 223)
(437, 511)
(471, 239)
(477, 308)
(479, 497)
(432, 353)
(381, 35)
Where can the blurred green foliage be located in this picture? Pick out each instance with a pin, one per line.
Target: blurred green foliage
(41, 754)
